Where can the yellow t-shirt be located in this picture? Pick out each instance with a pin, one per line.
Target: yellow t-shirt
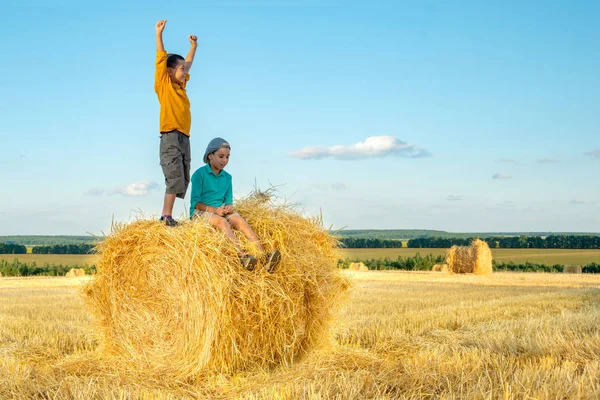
(174, 103)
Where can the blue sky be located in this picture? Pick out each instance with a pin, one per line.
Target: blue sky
(454, 115)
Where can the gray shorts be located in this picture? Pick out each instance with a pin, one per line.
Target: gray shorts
(175, 159)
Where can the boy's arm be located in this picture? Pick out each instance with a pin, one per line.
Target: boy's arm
(229, 195)
(160, 27)
(161, 76)
(190, 57)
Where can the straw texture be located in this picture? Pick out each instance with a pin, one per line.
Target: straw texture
(572, 269)
(474, 259)
(175, 302)
(440, 268)
(75, 272)
(358, 266)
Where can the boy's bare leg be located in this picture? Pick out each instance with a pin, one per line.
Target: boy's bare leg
(240, 224)
(168, 204)
(221, 224)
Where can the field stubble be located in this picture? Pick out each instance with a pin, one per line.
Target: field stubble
(402, 335)
(542, 256)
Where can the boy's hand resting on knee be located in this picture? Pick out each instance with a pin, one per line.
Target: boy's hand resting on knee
(220, 211)
(228, 208)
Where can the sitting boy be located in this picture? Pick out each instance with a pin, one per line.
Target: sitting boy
(212, 199)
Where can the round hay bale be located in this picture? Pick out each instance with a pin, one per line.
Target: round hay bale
(175, 302)
(75, 272)
(440, 268)
(358, 266)
(572, 269)
(473, 259)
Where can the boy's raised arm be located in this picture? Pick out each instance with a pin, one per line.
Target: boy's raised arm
(160, 27)
(190, 57)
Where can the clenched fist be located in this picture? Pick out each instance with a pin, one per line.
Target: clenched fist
(160, 25)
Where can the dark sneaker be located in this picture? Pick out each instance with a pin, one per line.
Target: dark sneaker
(248, 261)
(168, 221)
(272, 260)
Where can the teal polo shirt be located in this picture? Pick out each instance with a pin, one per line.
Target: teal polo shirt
(210, 189)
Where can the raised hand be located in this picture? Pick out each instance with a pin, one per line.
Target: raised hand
(160, 25)
(193, 40)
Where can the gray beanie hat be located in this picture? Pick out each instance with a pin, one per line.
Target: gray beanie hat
(214, 145)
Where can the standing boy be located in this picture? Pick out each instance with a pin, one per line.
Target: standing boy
(170, 79)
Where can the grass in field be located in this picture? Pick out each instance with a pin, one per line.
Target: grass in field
(540, 256)
(402, 335)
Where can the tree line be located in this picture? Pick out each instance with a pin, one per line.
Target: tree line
(514, 242)
(425, 263)
(64, 249)
(17, 268)
(8, 248)
(35, 240)
(366, 243)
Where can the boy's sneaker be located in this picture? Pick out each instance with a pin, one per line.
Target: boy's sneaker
(248, 261)
(169, 221)
(272, 260)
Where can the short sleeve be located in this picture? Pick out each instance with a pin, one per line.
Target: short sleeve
(197, 183)
(187, 78)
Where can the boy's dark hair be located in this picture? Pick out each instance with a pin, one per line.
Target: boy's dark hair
(173, 60)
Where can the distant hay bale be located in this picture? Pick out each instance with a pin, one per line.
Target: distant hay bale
(174, 302)
(572, 269)
(440, 268)
(75, 272)
(473, 259)
(358, 266)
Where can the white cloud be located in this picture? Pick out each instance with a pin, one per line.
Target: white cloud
(142, 188)
(373, 146)
(501, 175)
(509, 161)
(455, 197)
(547, 160)
(135, 189)
(593, 153)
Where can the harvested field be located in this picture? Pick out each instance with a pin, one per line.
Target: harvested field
(402, 335)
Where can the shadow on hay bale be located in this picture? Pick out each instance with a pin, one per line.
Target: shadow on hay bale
(473, 259)
(175, 302)
(572, 269)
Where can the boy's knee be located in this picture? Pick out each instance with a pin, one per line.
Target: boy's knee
(221, 222)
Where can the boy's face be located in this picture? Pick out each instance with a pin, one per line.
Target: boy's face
(219, 159)
(178, 73)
